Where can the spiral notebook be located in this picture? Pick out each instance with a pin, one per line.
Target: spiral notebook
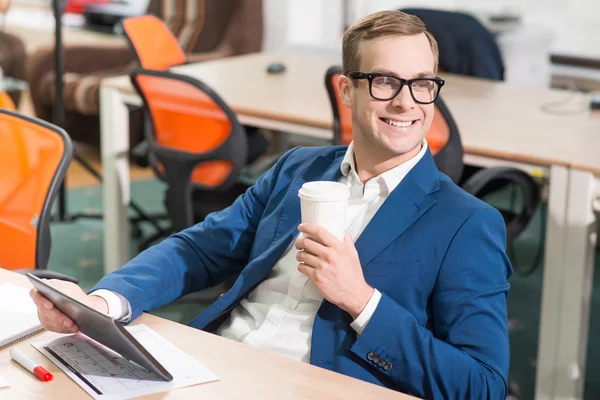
(18, 313)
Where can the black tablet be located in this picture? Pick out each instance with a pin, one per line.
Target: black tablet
(101, 328)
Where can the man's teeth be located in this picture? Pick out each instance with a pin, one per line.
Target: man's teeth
(398, 123)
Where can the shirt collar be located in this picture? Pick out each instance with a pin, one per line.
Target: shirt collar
(391, 178)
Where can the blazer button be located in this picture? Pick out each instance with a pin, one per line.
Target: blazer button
(382, 363)
(376, 359)
(387, 366)
(370, 356)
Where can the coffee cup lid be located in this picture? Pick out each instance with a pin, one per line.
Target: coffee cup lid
(324, 191)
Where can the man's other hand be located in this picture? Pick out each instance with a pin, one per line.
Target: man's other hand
(54, 320)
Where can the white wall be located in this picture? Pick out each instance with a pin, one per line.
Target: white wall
(319, 22)
(566, 27)
(303, 23)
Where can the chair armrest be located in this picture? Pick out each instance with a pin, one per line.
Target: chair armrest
(47, 274)
(478, 186)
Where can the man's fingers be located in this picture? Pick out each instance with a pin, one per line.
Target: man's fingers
(322, 235)
(311, 246)
(309, 259)
(40, 301)
(51, 318)
(57, 322)
(308, 271)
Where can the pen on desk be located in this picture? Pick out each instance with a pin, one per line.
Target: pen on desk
(30, 365)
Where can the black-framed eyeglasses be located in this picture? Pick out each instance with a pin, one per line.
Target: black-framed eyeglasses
(386, 86)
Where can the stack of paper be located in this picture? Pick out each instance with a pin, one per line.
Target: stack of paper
(19, 314)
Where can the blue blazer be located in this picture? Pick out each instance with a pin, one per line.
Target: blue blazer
(436, 254)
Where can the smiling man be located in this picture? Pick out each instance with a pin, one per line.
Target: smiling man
(414, 298)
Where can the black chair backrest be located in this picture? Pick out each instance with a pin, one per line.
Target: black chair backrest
(195, 139)
(449, 159)
(466, 47)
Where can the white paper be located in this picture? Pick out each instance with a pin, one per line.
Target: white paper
(105, 375)
(3, 382)
(19, 313)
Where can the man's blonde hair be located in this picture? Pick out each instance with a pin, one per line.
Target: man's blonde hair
(380, 24)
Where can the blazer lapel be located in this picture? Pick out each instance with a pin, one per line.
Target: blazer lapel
(321, 169)
(407, 202)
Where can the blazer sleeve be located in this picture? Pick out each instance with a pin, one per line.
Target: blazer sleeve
(465, 354)
(195, 258)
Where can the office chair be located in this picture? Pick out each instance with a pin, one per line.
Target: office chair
(197, 146)
(466, 47)
(157, 48)
(445, 145)
(153, 43)
(6, 102)
(35, 157)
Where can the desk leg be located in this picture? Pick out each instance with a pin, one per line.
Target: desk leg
(114, 141)
(554, 261)
(568, 277)
(578, 275)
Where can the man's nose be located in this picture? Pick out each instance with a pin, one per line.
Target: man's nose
(404, 99)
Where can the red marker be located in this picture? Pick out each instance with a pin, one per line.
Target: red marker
(30, 365)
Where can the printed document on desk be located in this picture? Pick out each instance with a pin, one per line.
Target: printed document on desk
(105, 375)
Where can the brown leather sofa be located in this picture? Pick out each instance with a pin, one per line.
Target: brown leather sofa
(210, 29)
(12, 59)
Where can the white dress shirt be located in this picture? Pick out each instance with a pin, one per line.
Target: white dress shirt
(278, 315)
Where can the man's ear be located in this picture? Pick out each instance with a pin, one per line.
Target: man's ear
(345, 87)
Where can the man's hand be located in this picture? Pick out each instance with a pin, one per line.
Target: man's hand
(4, 5)
(334, 268)
(54, 320)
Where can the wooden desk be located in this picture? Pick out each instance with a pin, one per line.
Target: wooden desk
(499, 124)
(245, 372)
(509, 123)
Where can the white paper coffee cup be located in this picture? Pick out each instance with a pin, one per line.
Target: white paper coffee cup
(325, 204)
